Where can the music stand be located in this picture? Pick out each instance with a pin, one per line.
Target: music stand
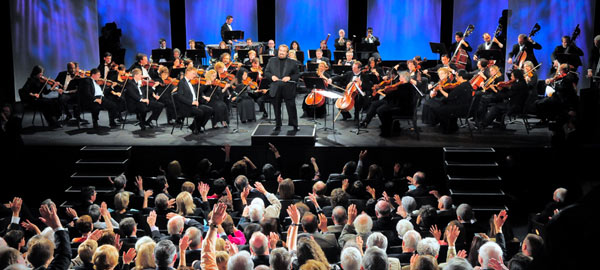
(264, 59)
(341, 69)
(242, 55)
(310, 66)
(339, 55)
(495, 55)
(326, 53)
(300, 56)
(196, 55)
(438, 48)
(234, 35)
(176, 71)
(159, 54)
(330, 95)
(216, 53)
(312, 54)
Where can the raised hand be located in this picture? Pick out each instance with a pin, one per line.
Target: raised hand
(413, 259)
(129, 256)
(118, 243)
(499, 220)
(231, 248)
(95, 235)
(362, 154)
(371, 191)
(229, 196)
(313, 198)
(273, 238)
(203, 189)
(322, 222)
(397, 199)
(453, 232)
(462, 254)
(184, 243)
(71, 212)
(49, 216)
(148, 193)
(279, 178)
(30, 226)
(496, 265)
(345, 184)
(437, 234)
(259, 186)
(15, 206)
(139, 182)
(244, 194)
(171, 203)
(219, 214)
(151, 219)
(294, 214)
(352, 213)
(385, 197)
(171, 215)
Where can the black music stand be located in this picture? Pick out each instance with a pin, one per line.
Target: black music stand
(242, 55)
(312, 54)
(234, 35)
(300, 56)
(264, 59)
(339, 55)
(314, 83)
(495, 55)
(159, 54)
(438, 48)
(341, 69)
(216, 53)
(327, 53)
(310, 66)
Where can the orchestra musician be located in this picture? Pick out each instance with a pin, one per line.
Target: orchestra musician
(227, 27)
(482, 69)
(283, 73)
(69, 97)
(319, 57)
(513, 99)
(115, 91)
(251, 57)
(566, 47)
(310, 109)
(141, 63)
(455, 101)
(295, 46)
(340, 42)
(270, 50)
(398, 101)
(228, 65)
(348, 61)
(526, 44)
(260, 96)
(594, 67)
(92, 97)
(458, 36)
(489, 43)
(138, 100)
(374, 106)
(483, 99)
(561, 105)
(445, 63)
(324, 49)
(215, 96)
(163, 46)
(104, 67)
(371, 43)
(374, 70)
(241, 96)
(364, 83)
(349, 46)
(188, 103)
(36, 91)
(531, 78)
(433, 100)
(177, 60)
(162, 93)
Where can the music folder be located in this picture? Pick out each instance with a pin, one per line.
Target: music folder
(439, 48)
(234, 35)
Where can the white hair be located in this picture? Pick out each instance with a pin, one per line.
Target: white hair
(240, 261)
(403, 226)
(597, 38)
(259, 243)
(377, 239)
(48, 233)
(411, 238)
(351, 259)
(141, 241)
(175, 225)
(458, 263)
(428, 246)
(409, 204)
(446, 202)
(363, 224)
(375, 259)
(561, 194)
(255, 212)
(488, 251)
(258, 201)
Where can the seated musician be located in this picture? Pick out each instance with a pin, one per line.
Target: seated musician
(445, 63)
(177, 60)
(531, 78)
(138, 100)
(105, 66)
(374, 70)
(163, 46)
(229, 66)
(251, 56)
(295, 46)
(162, 93)
(513, 97)
(215, 97)
(319, 57)
(340, 42)
(270, 50)
(259, 95)
(348, 61)
(117, 75)
(364, 82)
(349, 47)
(310, 109)
(92, 97)
(69, 97)
(455, 102)
(482, 69)
(241, 96)
(398, 101)
(326, 51)
(432, 101)
(187, 100)
(36, 91)
(560, 107)
(487, 96)
(141, 63)
(249, 45)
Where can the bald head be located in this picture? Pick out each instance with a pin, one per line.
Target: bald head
(383, 209)
(319, 188)
(175, 225)
(259, 244)
(339, 215)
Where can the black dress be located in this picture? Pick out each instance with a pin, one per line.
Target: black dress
(245, 103)
(217, 103)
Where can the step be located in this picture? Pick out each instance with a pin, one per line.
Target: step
(472, 170)
(97, 179)
(108, 152)
(469, 154)
(102, 164)
(74, 192)
(464, 192)
(100, 161)
(469, 150)
(470, 164)
(462, 182)
(105, 148)
(491, 196)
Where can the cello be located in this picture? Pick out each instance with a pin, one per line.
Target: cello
(346, 103)
(460, 56)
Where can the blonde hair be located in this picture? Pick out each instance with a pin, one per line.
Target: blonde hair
(211, 74)
(444, 70)
(324, 64)
(188, 186)
(222, 257)
(106, 257)
(191, 69)
(86, 250)
(185, 204)
(425, 262)
(163, 69)
(136, 71)
(314, 265)
(145, 256)
(252, 52)
(121, 200)
(220, 244)
(219, 65)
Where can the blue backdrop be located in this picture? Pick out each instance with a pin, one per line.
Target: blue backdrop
(309, 22)
(556, 18)
(204, 19)
(405, 28)
(143, 23)
(52, 33)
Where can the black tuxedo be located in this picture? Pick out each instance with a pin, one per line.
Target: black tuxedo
(457, 103)
(133, 96)
(360, 102)
(183, 101)
(371, 48)
(224, 29)
(73, 98)
(101, 68)
(88, 97)
(340, 46)
(399, 102)
(285, 91)
(152, 72)
(529, 47)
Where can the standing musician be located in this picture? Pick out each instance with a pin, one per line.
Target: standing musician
(513, 95)
(187, 101)
(319, 57)
(92, 97)
(281, 71)
(362, 101)
(567, 47)
(488, 44)
(162, 93)
(399, 98)
(141, 63)
(340, 42)
(445, 63)
(245, 103)
(215, 96)
(69, 96)
(227, 27)
(560, 106)
(371, 43)
(455, 101)
(594, 68)
(348, 61)
(434, 100)
(458, 36)
(104, 67)
(526, 44)
(138, 100)
(310, 109)
(36, 90)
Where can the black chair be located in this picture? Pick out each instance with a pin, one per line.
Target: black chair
(410, 118)
(394, 250)
(426, 200)
(179, 117)
(302, 186)
(284, 206)
(361, 205)
(30, 105)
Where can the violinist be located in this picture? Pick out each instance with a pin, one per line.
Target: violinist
(245, 103)
(348, 61)
(162, 93)
(398, 101)
(251, 56)
(319, 57)
(259, 95)
(514, 94)
(310, 109)
(177, 60)
(374, 70)
(115, 92)
(138, 100)
(215, 93)
(141, 63)
(525, 44)
(445, 63)
(229, 66)
(531, 78)
(489, 94)
(416, 76)
(69, 97)
(364, 82)
(188, 102)
(560, 106)
(92, 97)
(433, 100)
(104, 67)
(340, 42)
(34, 92)
(454, 102)
(567, 47)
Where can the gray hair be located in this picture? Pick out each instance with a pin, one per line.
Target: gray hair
(458, 263)
(446, 201)
(561, 194)
(141, 241)
(48, 233)
(488, 251)
(164, 253)
(405, 75)
(465, 212)
(363, 224)
(258, 201)
(120, 181)
(176, 50)
(161, 201)
(529, 64)
(175, 225)
(597, 38)
(403, 226)
(375, 259)
(259, 243)
(94, 211)
(383, 208)
(127, 226)
(377, 239)
(411, 238)
(280, 259)
(351, 259)
(195, 236)
(240, 261)
(428, 246)
(409, 204)
(339, 215)
(255, 212)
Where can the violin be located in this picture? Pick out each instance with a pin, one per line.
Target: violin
(150, 83)
(258, 69)
(151, 65)
(250, 83)
(226, 76)
(505, 84)
(170, 80)
(125, 77)
(381, 85)
(201, 81)
(50, 82)
(107, 82)
(82, 73)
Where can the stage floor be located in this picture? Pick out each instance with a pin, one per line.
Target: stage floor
(514, 136)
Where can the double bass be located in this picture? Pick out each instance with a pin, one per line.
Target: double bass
(522, 55)
(460, 56)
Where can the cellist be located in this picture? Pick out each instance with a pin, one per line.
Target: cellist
(458, 36)
(364, 89)
(310, 109)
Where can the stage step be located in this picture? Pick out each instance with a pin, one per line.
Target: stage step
(102, 164)
(110, 152)
(478, 197)
(466, 182)
(74, 193)
(469, 154)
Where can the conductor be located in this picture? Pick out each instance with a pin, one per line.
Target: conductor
(283, 73)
